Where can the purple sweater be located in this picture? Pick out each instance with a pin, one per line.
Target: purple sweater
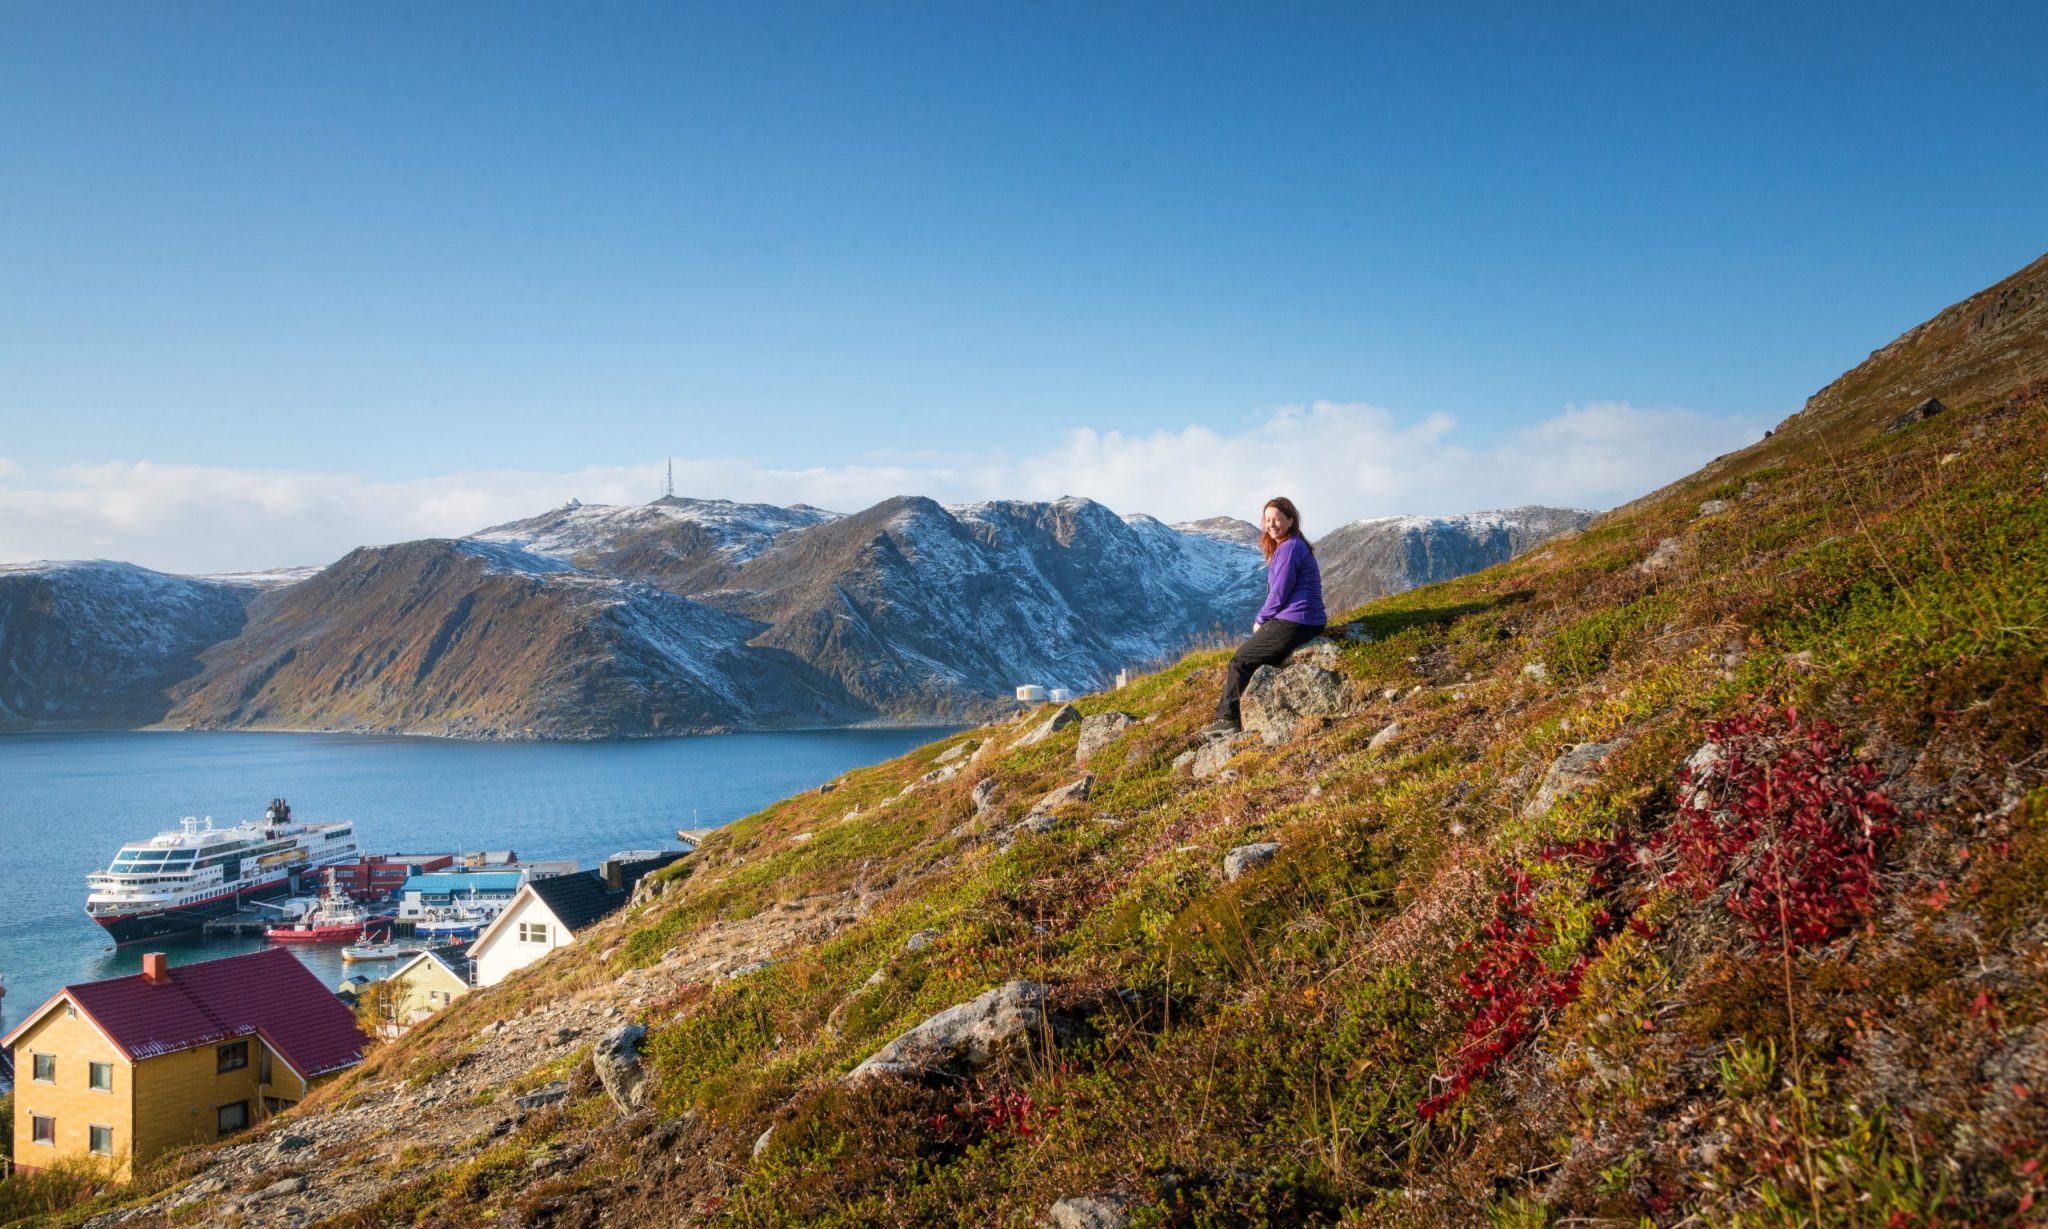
(1294, 586)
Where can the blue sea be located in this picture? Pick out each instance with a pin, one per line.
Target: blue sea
(68, 801)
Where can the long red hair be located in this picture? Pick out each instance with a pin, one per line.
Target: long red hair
(1267, 542)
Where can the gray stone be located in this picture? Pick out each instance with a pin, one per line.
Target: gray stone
(1352, 633)
(292, 1143)
(749, 969)
(1919, 413)
(553, 1093)
(284, 1186)
(1040, 823)
(952, 753)
(1207, 760)
(984, 790)
(1062, 717)
(1321, 652)
(1105, 1211)
(1385, 738)
(1098, 731)
(1579, 767)
(1714, 507)
(1275, 699)
(1008, 1023)
(1072, 791)
(1246, 857)
(920, 941)
(1663, 557)
(761, 1142)
(617, 1060)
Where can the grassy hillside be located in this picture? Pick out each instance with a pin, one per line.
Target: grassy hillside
(1772, 952)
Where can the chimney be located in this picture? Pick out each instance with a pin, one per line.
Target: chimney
(609, 871)
(156, 968)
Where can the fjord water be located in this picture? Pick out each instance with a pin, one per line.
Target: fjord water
(68, 801)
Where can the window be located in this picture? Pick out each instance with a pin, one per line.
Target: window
(533, 932)
(46, 1068)
(231, 1117)
(102, 1142)
(233, 1056)
(102, 1077)
(263, 1067)
(43, 1130)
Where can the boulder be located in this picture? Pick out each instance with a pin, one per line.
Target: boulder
(1714, 507)
(1104, 1211)
(1919, 413)
(1207, 760)
(1098, 731)
(1663, 557)
(952, 753)
(1062, 717)
(1275, 699)
(552, 1093)
(1072, 791)
(616, 1056)
(920, 941)
(983, 791)
(1006, 1024)
(1385, 738)
(1245, 857)
(1579, 767)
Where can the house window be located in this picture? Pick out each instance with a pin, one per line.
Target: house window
(231, 1117)
(102, 1077)
(102, 1142)
(42, 1130)
(263, 1068)
(533, 932)
(46, 1068)
(233, 1056)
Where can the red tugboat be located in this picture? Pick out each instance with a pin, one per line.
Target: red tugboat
(336, 919)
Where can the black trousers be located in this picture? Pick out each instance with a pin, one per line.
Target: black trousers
(1272, 644)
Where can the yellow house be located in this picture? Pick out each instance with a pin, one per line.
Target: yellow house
(130, 1067)
(427, 983)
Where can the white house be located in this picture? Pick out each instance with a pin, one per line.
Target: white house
(550, 913)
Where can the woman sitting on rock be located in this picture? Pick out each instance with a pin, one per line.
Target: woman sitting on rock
(1293, 613)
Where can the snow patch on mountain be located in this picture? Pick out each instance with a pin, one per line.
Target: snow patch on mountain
(740, 530)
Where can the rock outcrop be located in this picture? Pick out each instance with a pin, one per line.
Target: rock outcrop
(1007, 1024)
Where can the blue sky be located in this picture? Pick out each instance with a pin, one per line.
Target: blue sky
(436, 262)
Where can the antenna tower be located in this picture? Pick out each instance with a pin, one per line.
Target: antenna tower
(668, 488)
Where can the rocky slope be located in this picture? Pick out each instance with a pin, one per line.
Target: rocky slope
(1683, 871)
(100, 644)
(1371, 559)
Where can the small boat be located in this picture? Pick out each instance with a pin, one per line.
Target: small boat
(337, 919)
(380, 951)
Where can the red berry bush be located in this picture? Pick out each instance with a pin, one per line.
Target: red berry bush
(1777, 816)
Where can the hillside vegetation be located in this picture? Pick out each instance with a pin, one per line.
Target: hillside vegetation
(1689, 870)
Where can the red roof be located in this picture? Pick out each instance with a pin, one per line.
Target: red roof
(267, 992)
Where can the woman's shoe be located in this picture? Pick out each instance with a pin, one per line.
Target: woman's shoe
(1221, 728)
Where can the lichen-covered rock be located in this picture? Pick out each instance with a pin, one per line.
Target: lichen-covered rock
(1577, 768)
(1207, 760)
(616, 1057)
(984, 790)
(1663, 557)
(1387, 737)
(1062, 717)
(1105, 1211)
(1275, 699)
(1098, 731)
(1072, 791)
(1714, 507)
(1006, 1024)
(1245, 857)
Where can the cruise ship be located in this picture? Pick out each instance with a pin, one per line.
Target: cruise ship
(174, 881)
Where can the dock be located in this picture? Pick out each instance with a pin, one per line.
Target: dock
(241, 922)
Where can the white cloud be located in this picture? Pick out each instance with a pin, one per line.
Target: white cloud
(1339, 462)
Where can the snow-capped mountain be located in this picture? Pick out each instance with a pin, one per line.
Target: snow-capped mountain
(100, 643)
(1372, 558)
(679, 615)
